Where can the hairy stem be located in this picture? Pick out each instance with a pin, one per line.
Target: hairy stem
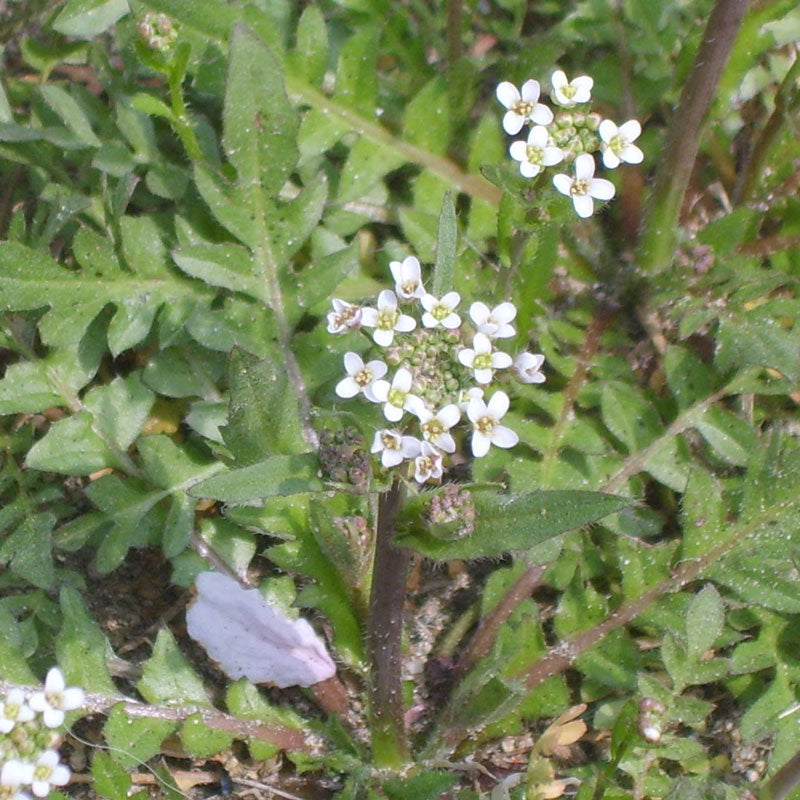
(783, 781)
(657, 241)
(454, 10)
(384, 637)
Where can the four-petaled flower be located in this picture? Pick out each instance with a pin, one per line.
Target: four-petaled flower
(47, 772)
(397, 397)
(428, 464)
(14, 710)
(569, 93)
(344, 317)
(486, 427)
(360, 377)
(15, 773)
(481, 360)
(407, 278)
(535, 154)
(522, 106)
(55, 699)
(386, 319)
(584, 186)
(435, 427)
(495, 322)
(441, 312)
(527, 367)
(394, 447)
(618, 143)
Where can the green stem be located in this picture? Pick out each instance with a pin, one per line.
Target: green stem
(783, 781)
(454, 11)
(384, 638)
(657, 241)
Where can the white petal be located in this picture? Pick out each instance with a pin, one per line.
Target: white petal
(377, 368)
(392, 413)
(395, 267)
(411, 270)
(15, 772)
(507, 93)
(466, 356)
(48, 759)
(584, 207)
(531, 91)
(391, 458)
(451, 321)
(415, 405)
(429, 321)
(512, 122)
(541, 114)
(451, 299)
(632, 154)
(405, 323)
(449, 415)
(411, 447)
(428, 302)
(382, 337)
(402, 380)
(353, 363)
(60, 776)
(560, 98)
(7, 725)
(476, 409)
(387, 299)
(53, 717)
(501, 360)
(40, 788)
(481, 343)
(584, 167)
(446, 442)
(377, 442)
(480, 444)
(610, 159)
(54, 682)
(528, 170)
(601, 189)
(583, 88)
(381, 390)
(563, 183)
(630, 130)
(505, 312)
(558, 80)
(369, 317)
(552, 156)
(347, 388)
(498, 405)
(518, 150)
(504, 437)
(538, 136)
(479, 313)
(483, 376)
(38, 702)
(607, 130)
(504, 331)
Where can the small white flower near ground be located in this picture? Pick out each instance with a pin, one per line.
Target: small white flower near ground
(397, 396)
(47, 772)
(386, 319)
(56, 699)
(436, 427)
(407, 276)
(481, 360)
(535, 154)
(486, 427)
(344, 317)
(428, 464)
(495, 322)
(584, 186)
(14, 710)
(15, 773)
(465, 395)
(441, 312)
(394, 447)
(617, 144)
(361, 377)
(523, 106)
(527, 367)
(569, 93)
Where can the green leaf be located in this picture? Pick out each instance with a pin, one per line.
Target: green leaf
(134, 740)
(445, 266)
(110, 779)
(27, 551)
(705, 620)
(703, 515)
(87, 18)
(426, 121)
(200, 740)
(179, 525)
(227, 265)
(317, 282)
(71, 447)
(276, 476)
(120, 409)
(70, 111)
(366, 164)
(629, 416)
(264, 417)
(310, 56)
(426, 786)
(259, 122)
(13, 665)
(518, 522)
(730, 436)
(167, 676)
(758, 339)
(357, 73)
(81, 646)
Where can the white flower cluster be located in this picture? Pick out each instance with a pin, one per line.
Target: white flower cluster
(570, 135)
(438, 377)
(28, 739)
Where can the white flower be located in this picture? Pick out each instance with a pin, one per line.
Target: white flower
(344, 317)
(435, 427)
(482, 360)
(486, 427)
(495, 323)
(408, 278)
(568, 93)
(464, 396)
(428, 464)
(55, 699)
(15, 773)
(386, 319)
(522, 106)
(584, 186)
(47, 772)
(618, 143)
(361, 377)
(535, 154)
(394, 447)
(527, 367)
(441, 312)
(397, 397)
(14, 710)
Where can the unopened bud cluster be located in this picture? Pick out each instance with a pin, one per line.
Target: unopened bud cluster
(451, 513)
(342, 457)
(571, 135)
(158, 31)
(30, 735)
(443, 367)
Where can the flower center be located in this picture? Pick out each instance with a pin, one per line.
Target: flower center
(42, 772)
(485, 425)
(534, 156)
(568, 91)
(396, 397)
(11, 711)
(54, 699)
(425, 464)
(482, 361)
(523, 108)
(432, 429)
(409, 287)
(346, 314)
(580, 187)
(617, 144)
(440, 311)
(363, 377)
(390, 442)
(387, 318)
